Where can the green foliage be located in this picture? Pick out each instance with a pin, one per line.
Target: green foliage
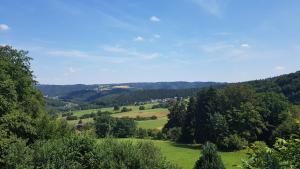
(174, 133)
(289, 85)
(116, 108)
(81, 151)
(233, 142)
(118, 127)
(231, 117)
(284, 155)
(210, 158)
(125, 109)
(142, 108)
(71, 118)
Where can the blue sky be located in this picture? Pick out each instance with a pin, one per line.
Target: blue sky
(111, 41)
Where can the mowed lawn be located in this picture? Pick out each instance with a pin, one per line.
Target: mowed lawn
(185, 156)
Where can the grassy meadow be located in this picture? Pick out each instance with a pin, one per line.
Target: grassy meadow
(152, 124)
(185, 156)
(160, 113)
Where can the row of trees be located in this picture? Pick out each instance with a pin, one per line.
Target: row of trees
(231, 117)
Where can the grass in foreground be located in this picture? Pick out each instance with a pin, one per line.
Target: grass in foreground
(185, 156)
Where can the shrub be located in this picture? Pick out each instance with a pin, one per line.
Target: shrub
(141, 133)
(125, 109)
(174, 133)
(210, 158)
(142, 108)
(72, 118)
(233, 142)
(153, 117)
(116, 108)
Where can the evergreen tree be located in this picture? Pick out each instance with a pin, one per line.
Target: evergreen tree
(210, 158)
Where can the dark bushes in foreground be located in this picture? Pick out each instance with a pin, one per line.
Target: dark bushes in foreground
(84, 152)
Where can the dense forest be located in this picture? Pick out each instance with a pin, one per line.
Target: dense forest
(288, 84)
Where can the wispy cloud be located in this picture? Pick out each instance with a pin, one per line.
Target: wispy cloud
(129, 53)
(245, 45)
(226, 51)
(279, 68)
(154, 19)
(4, 27)
(138, 39)
(156, 36)
(69, 71)
(69, 53)
(213, 7)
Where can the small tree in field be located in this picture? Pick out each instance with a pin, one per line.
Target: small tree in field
(116, 108)
(210, 158)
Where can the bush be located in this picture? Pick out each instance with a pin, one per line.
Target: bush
(142, 108)
(141, 133)
(116, 108)
(233, 142)
(153, 117)
(124, 127)
(86, 116)
(118, 127)
(210, 158)
(67, 114)
(174, 133)
(125, 109)
(72, 118)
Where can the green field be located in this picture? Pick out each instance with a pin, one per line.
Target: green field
(111, 109)
(185, 156)
(161, 113)
(152, 124)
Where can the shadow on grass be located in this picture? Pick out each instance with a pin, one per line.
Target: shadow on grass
(190, 146)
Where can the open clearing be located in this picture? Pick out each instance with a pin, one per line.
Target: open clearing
(160, 113)
(79, 113)
(144, 113)
(185, 156)
(152, 124)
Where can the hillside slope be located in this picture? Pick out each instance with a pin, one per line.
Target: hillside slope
(288, 84)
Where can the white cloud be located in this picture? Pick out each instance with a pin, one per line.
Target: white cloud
(129, 53)
(71, 70)
(138, 38)
(213, 7)
(4, 27)
(154, 19)
(156, 36)
(245, 45)
(279, 68)
(226, 51)
(68, 53)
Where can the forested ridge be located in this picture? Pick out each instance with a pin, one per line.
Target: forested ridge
(288, 84)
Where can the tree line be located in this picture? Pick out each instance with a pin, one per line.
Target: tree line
(231, 118)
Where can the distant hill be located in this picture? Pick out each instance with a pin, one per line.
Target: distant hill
(93, 96)
(288, 84)
(63, 90)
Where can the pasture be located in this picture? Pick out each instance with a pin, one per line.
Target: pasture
(185, 156)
